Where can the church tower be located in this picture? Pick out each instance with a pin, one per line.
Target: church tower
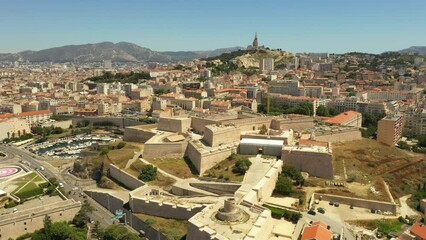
(255, 43)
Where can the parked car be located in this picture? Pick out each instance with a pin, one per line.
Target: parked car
(351, 206)
(312, 212)
(331, 203)
(336, 204)
(321, 210)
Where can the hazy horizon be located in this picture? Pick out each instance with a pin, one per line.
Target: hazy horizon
(304, 26)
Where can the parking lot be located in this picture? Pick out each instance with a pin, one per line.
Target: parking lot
(343, 212)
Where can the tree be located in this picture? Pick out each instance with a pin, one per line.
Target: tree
(403, 145)
(241, 166)
(81, 218)
(47, 223)
(422, 140)
(323, 111)
(97, 231)
(148, 173)
(293, 173)
(104, 151)
(119, 232)
(284, 185)
(263, 129)
(121, 145)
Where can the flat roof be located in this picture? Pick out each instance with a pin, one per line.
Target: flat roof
(271, 142)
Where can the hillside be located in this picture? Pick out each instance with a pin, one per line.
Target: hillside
(251, 58)
(419, 50)
(117, 52)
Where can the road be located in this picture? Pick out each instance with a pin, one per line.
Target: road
(99, 214)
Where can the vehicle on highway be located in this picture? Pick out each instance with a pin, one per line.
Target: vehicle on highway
(312, 212)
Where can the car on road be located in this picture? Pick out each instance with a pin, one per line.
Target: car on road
(61, 185)
(321, 210)
(312, 212)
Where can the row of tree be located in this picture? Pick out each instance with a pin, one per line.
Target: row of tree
(131, 77)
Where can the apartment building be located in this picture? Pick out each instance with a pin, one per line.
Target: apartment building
(389, 129)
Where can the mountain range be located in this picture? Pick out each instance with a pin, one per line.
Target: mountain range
(117, 52)
(419, 50)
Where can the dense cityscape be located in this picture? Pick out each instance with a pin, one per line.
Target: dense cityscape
(114, 141)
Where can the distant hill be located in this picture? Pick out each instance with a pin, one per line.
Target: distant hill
(118, 52)
(419, 50)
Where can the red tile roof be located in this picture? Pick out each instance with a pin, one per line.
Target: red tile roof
(419, 229)
(318, 231)
(343, 117)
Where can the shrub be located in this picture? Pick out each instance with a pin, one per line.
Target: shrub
(148, 173)
(121, 145)
(284, 185)
(11, 204)
(30, 193)
(241, 166)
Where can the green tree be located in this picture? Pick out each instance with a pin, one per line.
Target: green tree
(241, 166)
(121, 145)
(148, 173)
(323, 111)
(81, 218)
(284, 185)
(104, 151)
(293, 173)
(422, 140)
(119, 232)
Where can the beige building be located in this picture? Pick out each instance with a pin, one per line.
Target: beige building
(13, 127)
(220, 135)
(389, 130)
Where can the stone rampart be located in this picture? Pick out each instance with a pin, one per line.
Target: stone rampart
(165, 150)
(163, 209)
(124, 178)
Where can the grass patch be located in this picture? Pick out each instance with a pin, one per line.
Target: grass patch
(172, 228)
(384, 225)
(161, 180)
(120, 157)
(28, 186)
(179, 167)
(223, 170)
(286, 214)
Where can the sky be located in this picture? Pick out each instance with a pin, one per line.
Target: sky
(334, 26)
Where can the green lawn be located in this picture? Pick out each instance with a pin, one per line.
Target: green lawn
(28, 185)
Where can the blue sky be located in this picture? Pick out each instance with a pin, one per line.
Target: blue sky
(296, 26)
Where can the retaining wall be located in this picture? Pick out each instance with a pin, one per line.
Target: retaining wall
(164, 150)
(358, 202)
(343, 136)
(124, 178)
(163, 209)
(112, 204)
(137, 135)
(203, 161)
(217, 188)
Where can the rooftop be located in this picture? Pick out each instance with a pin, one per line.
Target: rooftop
(342, 117)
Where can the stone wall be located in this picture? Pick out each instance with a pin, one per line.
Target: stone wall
(113, 204)
(203, 161)
(296, 122)
(163, 209)
(124, 178)
(358, 202)
(16, 224)
(62, 124)
(217, 188)
(341, 136)
(287, 140)
(198, 124)
(219, 135)
(319, 164)
(174, 124)
(133, 134)
(249, 124)
(165, 150)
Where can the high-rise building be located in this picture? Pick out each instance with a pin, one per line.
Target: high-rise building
(266, 64)
(107, 64)
(389, 129)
